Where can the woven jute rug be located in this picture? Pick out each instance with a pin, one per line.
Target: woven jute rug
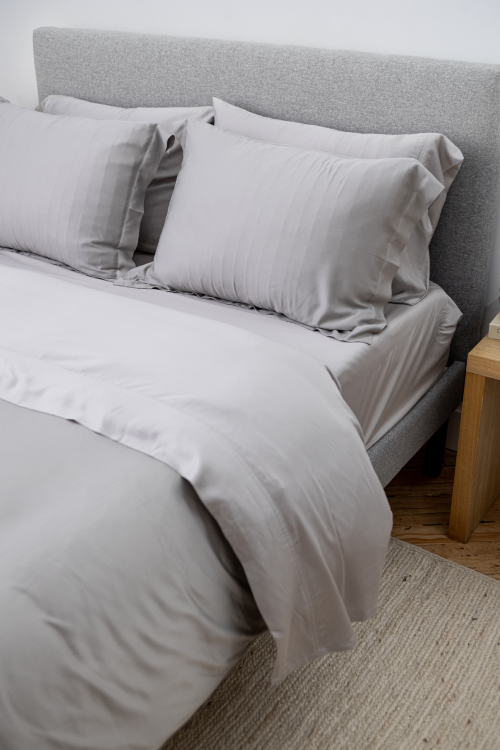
(425, 674)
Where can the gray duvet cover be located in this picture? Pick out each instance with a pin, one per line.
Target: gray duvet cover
(122, 605)
(154, 547)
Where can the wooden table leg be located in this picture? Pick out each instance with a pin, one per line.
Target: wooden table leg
(477, 473)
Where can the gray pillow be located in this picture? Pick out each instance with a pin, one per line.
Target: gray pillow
(314, 237)
(436, 152)
(160, 189)
(72, 189)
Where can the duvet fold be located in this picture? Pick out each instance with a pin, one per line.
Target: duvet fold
(259, 429)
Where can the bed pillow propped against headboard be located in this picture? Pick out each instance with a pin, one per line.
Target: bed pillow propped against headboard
(436, 152)
(161, 187)
(72, 189)
(314, 237)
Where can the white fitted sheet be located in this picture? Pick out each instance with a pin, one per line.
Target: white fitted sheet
(380, 382)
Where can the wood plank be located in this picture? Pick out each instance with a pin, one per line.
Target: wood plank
(414, 475)
(436, 490)
(420, 518)
(420, 534)
(484, 359)
(399, 491)
(488, 564)
(477, 478)
(424, 504)
(414, 490)
(472, 550)
(492, 515)
(428, 514)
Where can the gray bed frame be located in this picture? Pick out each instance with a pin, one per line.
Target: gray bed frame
(353, 91)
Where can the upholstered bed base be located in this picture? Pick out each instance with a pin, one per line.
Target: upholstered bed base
(391, 452)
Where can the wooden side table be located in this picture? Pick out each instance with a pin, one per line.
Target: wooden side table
(477, 473)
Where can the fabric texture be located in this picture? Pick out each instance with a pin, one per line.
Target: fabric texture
(160, 188)
(433, 150)
(113, 575)
(72, 189)
(260, 430)
(352, 91)
(431, 656)
(314, 237)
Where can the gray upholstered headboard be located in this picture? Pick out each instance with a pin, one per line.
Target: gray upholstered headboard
(345, 90)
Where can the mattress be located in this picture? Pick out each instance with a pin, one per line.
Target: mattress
(380, 382)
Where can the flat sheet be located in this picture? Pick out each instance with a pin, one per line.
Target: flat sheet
(259, 429)
(380, 382)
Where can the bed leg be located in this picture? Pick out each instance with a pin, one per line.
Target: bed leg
(434, 452)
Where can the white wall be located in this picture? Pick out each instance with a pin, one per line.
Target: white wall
(456, 29)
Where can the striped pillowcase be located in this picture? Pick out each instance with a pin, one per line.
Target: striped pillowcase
(72, 189)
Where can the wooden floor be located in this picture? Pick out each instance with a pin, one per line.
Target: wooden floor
(421, 508)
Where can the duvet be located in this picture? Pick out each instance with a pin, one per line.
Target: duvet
(259, 474)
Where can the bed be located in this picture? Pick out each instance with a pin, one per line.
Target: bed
(144, 597)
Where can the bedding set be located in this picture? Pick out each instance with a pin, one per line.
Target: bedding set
(189, 380)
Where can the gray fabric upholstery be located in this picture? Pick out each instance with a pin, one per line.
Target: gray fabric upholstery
(392, 452)
(346, 90)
